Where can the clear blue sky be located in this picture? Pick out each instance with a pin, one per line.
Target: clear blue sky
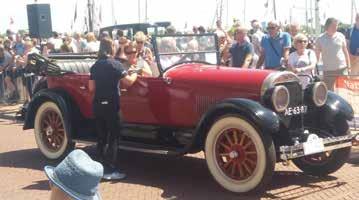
(194, 12)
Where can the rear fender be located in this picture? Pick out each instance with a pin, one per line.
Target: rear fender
(41, 97)
(264, 119)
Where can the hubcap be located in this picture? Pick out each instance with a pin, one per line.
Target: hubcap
(236, 154)
(52, 130)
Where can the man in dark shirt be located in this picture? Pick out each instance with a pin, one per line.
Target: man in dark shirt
(104, 83)
(242, 51)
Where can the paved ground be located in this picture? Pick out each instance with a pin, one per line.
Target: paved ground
(156, 177)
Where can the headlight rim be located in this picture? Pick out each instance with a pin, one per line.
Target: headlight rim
(274, 96)
(314, 91)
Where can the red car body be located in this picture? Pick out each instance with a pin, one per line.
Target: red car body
(193, 88)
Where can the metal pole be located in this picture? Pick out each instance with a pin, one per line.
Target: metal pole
(113, 12)
(274, 10)
(306, 15)
(352, 13)
(146, 9)
(139, 11)
(90, 12)
(244, 11)
(317, 18)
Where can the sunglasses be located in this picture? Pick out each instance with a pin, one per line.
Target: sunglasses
(130, 52)
(271, 27)
(302, 41)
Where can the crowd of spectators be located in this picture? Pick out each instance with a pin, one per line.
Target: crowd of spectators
(276, 47)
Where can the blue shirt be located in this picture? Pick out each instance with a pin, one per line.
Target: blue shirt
(273, 49)
(19, 49)
(354, 41)
(239, 53)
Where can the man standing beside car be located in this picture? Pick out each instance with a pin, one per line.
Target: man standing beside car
(241, 51)
(104, 84)
(275, 48)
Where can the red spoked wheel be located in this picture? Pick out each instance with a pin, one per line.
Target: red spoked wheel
(240, 158)
(236, 154)
(50, 132)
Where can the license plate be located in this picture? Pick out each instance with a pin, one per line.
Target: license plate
(313, 145)
(296, 110)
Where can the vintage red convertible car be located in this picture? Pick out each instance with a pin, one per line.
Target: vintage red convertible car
(245, 120)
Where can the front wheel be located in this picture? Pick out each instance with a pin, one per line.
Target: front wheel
(328, 162)
(240, 158)
(51, 132)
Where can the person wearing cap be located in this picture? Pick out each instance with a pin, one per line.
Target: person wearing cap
(104, 84)
(76, 177)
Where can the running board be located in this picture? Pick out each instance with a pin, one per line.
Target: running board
(138, 147)
(145, 148)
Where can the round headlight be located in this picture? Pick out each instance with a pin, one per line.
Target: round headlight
(280, 98)
(320, 94)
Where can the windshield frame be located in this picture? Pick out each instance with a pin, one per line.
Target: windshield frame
(157, 54)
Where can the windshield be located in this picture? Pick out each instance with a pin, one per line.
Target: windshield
(172, 50)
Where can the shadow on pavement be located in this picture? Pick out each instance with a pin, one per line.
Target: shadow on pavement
(354, 157)
(38, 185)
(184, 178)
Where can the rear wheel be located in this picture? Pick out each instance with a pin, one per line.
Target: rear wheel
(240, 158)
(328, 162)
(51, 132)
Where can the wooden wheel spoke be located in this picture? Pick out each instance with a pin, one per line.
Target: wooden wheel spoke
(253, 163)
(224, 154)
(240, 171)
(248, 169)
(235, 136)
(251, 153)
(249, 143)
(243, 136)
(228, 139)
(233, 169)
(225, 146)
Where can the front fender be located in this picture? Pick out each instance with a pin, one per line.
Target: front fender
(38, 99)
(264, 119)
(336, 106)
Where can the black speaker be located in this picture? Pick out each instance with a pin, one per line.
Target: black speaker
(39, 20)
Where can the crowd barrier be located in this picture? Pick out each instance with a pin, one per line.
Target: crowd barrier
(23, 83)
(348, 88)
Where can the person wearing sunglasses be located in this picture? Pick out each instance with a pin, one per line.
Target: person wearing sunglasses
(134, 62)
(303, 60)
(142, 51)
(275, 48)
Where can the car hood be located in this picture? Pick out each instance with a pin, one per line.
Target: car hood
(250, 80)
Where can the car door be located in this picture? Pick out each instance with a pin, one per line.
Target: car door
(146, 102)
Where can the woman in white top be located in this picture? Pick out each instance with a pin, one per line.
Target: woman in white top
(303, 60)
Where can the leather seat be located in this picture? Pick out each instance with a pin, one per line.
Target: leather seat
(77, 66)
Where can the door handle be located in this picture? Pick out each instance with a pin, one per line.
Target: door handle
(167, 80)
(123, 90)
(83, 87)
